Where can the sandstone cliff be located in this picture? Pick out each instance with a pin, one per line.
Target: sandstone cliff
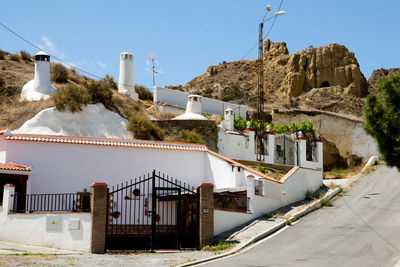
(325, 78)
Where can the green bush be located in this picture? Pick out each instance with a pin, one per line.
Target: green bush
(71, 98)
(14, 57)
(109, 82)
(144, 93)
(99, 92)
(144, 129)
(191, 137)
(59, 73)
(25, 55)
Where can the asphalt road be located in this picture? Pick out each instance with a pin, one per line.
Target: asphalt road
(361, 229)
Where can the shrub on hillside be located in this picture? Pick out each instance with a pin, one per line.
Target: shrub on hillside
(99, 92)
(191, 137)
(14, 57)
(144, 129)
(144, 93)
(2, 83)
(71, 98)
(3, 54)
(109, 82)
(25, 55)
(59, 73)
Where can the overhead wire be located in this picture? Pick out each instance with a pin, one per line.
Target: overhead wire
(264, 37)
(56, 58)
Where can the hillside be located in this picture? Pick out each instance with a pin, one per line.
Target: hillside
(325, 78)
(16, 70)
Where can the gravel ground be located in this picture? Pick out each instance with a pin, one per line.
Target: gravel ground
(134, 259)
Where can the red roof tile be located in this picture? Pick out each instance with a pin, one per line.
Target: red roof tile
(107, 142)
(11, 166)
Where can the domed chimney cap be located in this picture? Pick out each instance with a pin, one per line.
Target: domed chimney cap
(42, 56)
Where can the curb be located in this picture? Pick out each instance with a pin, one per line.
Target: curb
(296, 216)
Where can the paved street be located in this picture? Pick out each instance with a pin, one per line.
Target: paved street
(361, 229)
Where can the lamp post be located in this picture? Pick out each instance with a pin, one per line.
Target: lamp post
(260, 84)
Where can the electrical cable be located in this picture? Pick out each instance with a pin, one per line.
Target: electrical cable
(56, 58)
(269, 31)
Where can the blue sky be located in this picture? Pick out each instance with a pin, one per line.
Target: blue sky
(189, 36)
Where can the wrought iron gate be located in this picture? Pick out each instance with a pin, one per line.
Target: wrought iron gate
(285, 150)
(153, 211)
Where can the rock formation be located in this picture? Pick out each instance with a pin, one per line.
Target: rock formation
(381, 73)
(325, 66)
(326, 78)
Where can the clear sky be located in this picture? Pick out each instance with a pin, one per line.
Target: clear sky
(188, 36)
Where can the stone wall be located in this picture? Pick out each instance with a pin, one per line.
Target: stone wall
(206, 128)
(345, 141)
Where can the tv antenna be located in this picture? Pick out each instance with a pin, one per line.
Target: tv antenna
(152, 60)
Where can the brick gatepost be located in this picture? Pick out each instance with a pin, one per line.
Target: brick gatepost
(206, 214)
(98, 207)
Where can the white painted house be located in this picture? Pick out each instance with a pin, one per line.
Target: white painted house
(277, 149)
(66, 164)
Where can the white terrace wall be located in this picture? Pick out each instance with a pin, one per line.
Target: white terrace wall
(61, 168)
(32, 228)
(299, 181)
(294, 188)
(209, 105)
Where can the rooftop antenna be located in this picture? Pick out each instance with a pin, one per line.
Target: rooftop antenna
(152, 60)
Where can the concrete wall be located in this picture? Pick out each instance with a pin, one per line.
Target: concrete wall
(209, 105)
(32, 228)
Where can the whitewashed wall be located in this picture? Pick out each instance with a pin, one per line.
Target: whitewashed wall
(219, 172)
(227, 220)
(300, 181)
(31, 229)
(209, 105)
(62, 168)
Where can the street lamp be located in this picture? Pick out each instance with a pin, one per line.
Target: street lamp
(260, 99)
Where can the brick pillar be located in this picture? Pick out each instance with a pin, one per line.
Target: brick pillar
(98, 207)
(206, 214)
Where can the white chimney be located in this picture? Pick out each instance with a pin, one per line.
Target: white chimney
(193, 109)
(126, 84)
(193, 104)
(39, 87)
(228, 119)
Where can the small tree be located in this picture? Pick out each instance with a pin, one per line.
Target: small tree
(382, 115)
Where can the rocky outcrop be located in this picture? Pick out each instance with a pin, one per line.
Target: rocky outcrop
(326, 78)
(381, 73)
(321, 67)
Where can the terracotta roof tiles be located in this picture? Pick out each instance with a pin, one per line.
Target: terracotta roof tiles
(11, 166)
(107, 142)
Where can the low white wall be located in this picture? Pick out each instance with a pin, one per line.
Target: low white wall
(209, 105)
(31, 228)
(301, 180)
(227, 220)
